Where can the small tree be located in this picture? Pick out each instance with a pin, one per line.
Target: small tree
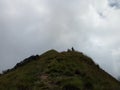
(68, 50)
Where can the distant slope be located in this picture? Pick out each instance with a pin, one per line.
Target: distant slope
(52, 70)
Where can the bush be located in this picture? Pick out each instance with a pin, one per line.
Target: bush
(88, 86)
(70, 87)
(22, 88)
(77, 72)
(68, 73)
(6, 71)
(27, 60)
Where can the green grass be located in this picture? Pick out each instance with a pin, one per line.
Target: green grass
(52, 70)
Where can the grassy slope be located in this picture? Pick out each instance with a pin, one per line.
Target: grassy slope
(59, 71)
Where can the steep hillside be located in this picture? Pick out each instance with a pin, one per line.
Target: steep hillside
(54, 70)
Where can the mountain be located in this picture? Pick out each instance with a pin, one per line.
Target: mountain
(68, 70)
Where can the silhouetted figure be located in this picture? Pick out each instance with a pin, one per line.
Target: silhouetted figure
(73, 49)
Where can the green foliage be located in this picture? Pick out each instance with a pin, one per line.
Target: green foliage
(52, 70)
(88, 86)
(70, 87)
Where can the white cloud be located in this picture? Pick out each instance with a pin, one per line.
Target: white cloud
(33, 26)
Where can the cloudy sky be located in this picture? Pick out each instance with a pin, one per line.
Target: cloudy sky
(30, 27)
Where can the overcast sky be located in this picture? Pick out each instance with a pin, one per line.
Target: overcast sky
(29, 27)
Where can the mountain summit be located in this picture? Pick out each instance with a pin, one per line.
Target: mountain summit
(69, 70)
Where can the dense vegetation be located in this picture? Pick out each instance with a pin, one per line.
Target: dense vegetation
(52, 70)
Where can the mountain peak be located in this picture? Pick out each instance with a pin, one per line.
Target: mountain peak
(53, 70)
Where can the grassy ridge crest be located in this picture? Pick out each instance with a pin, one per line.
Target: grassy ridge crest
(53, 70)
